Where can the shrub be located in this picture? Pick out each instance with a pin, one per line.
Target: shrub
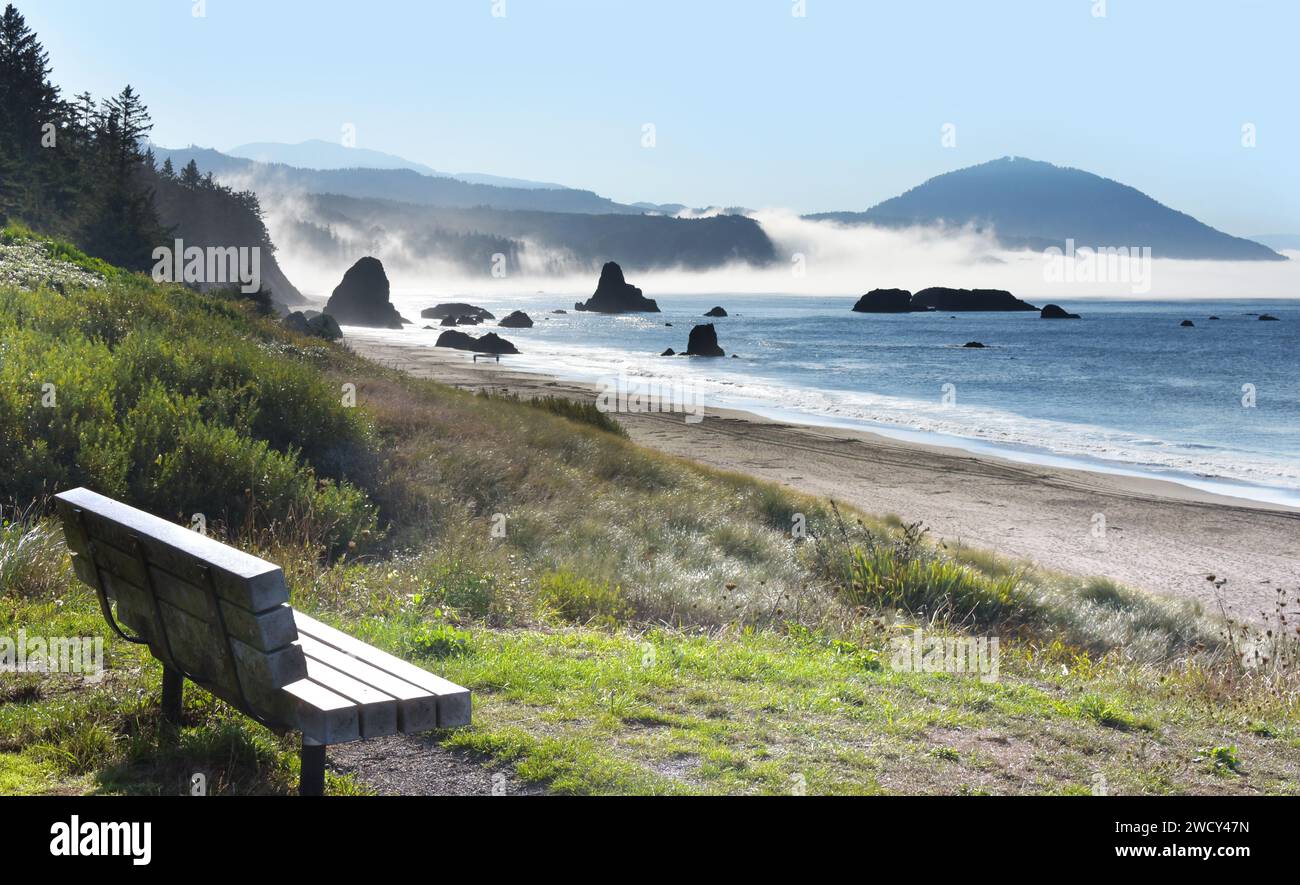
(439, 641)
(463, 588)
(1222, 760)
(572, 598)
(168, 399)
(887, 577)
(1105, 713)
(32, 563)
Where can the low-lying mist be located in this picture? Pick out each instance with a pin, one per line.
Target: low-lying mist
(813, 258)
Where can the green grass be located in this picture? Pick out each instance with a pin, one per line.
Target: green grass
(586, 413)
(21, 775)
(627, 621)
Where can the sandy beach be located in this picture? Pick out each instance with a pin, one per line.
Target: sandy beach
(1159, 536)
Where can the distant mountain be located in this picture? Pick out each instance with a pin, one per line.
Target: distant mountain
(689, 211)
(337, 228)
(1032, 204)
(662, 208)
(412, 218)
(406, 185)
(318, 154)
(1289, 242)
(502, 181)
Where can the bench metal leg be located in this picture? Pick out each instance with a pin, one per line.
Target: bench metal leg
(173, 695)
(312, 778)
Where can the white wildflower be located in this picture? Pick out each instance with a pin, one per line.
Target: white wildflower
(27, 264)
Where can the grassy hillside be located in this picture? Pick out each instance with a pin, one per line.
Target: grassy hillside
(628, 622)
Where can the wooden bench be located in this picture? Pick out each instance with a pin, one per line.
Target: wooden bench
(221, 618)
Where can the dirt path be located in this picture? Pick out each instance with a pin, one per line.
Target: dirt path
(414, 765)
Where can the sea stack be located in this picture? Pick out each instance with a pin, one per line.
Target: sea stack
(1056, 312)
(323, 325)
(455, 309)
(489, 343)
(885, 301)
(949, 300)
(703, 341)
(939, 298)
(716, 312)
(361, 299)
(615, 295)
(517, 320)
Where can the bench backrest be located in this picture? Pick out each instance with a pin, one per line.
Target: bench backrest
(216, 614)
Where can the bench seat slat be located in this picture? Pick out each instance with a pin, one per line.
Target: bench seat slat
(417, 708)
(322, 716)
(377, 711)
(453, 700)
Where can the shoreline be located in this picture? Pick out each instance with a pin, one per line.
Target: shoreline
(1159, 535)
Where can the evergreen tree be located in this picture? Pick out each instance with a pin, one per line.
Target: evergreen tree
(29, 106)
(122, 225)
(28, 100)
(92, 178)
(190, 175)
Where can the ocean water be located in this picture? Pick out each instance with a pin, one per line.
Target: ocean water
(1124, 389)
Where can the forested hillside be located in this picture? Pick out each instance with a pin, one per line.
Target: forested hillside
(79, 169)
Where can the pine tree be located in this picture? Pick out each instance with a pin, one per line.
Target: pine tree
(122, 224)
(29, 104)
(28, 100)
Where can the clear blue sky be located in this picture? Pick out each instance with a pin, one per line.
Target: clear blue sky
(752, 105)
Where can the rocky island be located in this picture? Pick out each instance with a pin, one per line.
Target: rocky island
(615, 295)
(517, 320)
(455, 310)
(361, 299)
(703, 341)
(939, 298)
(489, 343)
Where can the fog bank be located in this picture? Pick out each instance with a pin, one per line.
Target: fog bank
(813, 258)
